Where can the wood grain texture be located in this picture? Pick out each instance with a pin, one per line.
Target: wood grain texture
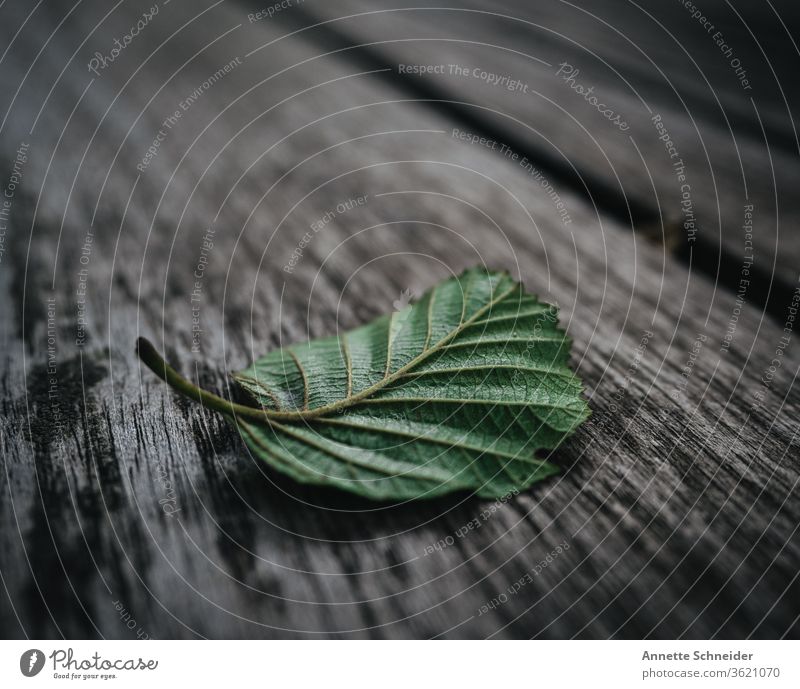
(519, 67)
(677, 499)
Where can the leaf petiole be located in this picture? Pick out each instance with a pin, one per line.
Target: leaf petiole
(156, 363)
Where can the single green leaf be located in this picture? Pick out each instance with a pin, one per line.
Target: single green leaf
(455, 392)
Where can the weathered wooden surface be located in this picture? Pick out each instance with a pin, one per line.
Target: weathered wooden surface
(678, 497)
(658, 72)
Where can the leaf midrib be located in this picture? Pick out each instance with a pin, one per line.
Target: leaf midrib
(346, 402)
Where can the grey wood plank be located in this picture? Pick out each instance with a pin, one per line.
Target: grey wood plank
(522, 67)
(679, 515)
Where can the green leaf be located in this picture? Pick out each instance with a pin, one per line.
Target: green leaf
(455, 392)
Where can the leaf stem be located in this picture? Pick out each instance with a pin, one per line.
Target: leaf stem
(149, 355)
(155, 362)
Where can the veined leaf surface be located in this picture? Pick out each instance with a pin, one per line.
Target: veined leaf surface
(455, 392)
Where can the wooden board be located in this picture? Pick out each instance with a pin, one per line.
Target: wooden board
(671, 103)
(675, 514)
